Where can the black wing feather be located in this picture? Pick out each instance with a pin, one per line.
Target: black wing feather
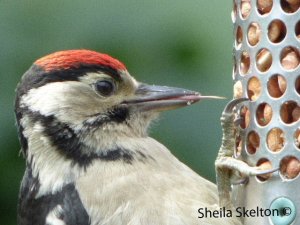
(32, 210)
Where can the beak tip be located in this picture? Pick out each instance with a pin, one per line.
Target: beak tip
(211, 97)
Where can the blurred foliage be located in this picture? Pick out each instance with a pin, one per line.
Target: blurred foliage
(169, 42)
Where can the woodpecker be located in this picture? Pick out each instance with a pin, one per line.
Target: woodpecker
(82, 122)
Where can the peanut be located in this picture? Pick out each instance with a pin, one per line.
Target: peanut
(245, 8)
(275, 140)
(254, 34)
(265, 166)
(290, 59)
(264, 60)
(264, 6)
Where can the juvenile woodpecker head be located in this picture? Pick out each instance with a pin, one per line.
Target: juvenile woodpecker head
(80, 102)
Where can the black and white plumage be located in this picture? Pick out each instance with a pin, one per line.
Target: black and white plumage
(82, 122)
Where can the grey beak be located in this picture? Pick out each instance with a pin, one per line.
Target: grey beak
(161, 98)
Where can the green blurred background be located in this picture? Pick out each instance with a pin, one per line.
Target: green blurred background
(184, 43)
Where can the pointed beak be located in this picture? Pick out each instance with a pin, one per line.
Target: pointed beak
(161, 98)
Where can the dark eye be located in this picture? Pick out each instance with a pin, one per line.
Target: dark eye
(105, 87)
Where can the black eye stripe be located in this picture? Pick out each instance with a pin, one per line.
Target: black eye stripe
(105, 87)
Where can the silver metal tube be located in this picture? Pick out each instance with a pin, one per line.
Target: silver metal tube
(266, 70)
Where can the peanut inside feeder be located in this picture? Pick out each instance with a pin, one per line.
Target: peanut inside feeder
(264, 60)
(254, 88)
(290, 6)
(297, 30)
(297, 138)
(276, 31)
(239, 37)
(264, 6)
(264, 164)
(254, 34)
(245, 8)
(264, 114)
(290, 112)
(276, 86)
(290, 58)
(289, 167)
(252, 142)
(245, 63)
(275, 140)
(245, 117)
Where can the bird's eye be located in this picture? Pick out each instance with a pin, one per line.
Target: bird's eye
(105, 87)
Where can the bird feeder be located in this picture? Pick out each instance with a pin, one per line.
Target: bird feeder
(266, 71)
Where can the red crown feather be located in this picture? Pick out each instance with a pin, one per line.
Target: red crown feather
(74, 58)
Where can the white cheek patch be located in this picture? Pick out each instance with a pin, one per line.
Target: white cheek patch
(69, 101)
(48, 98)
